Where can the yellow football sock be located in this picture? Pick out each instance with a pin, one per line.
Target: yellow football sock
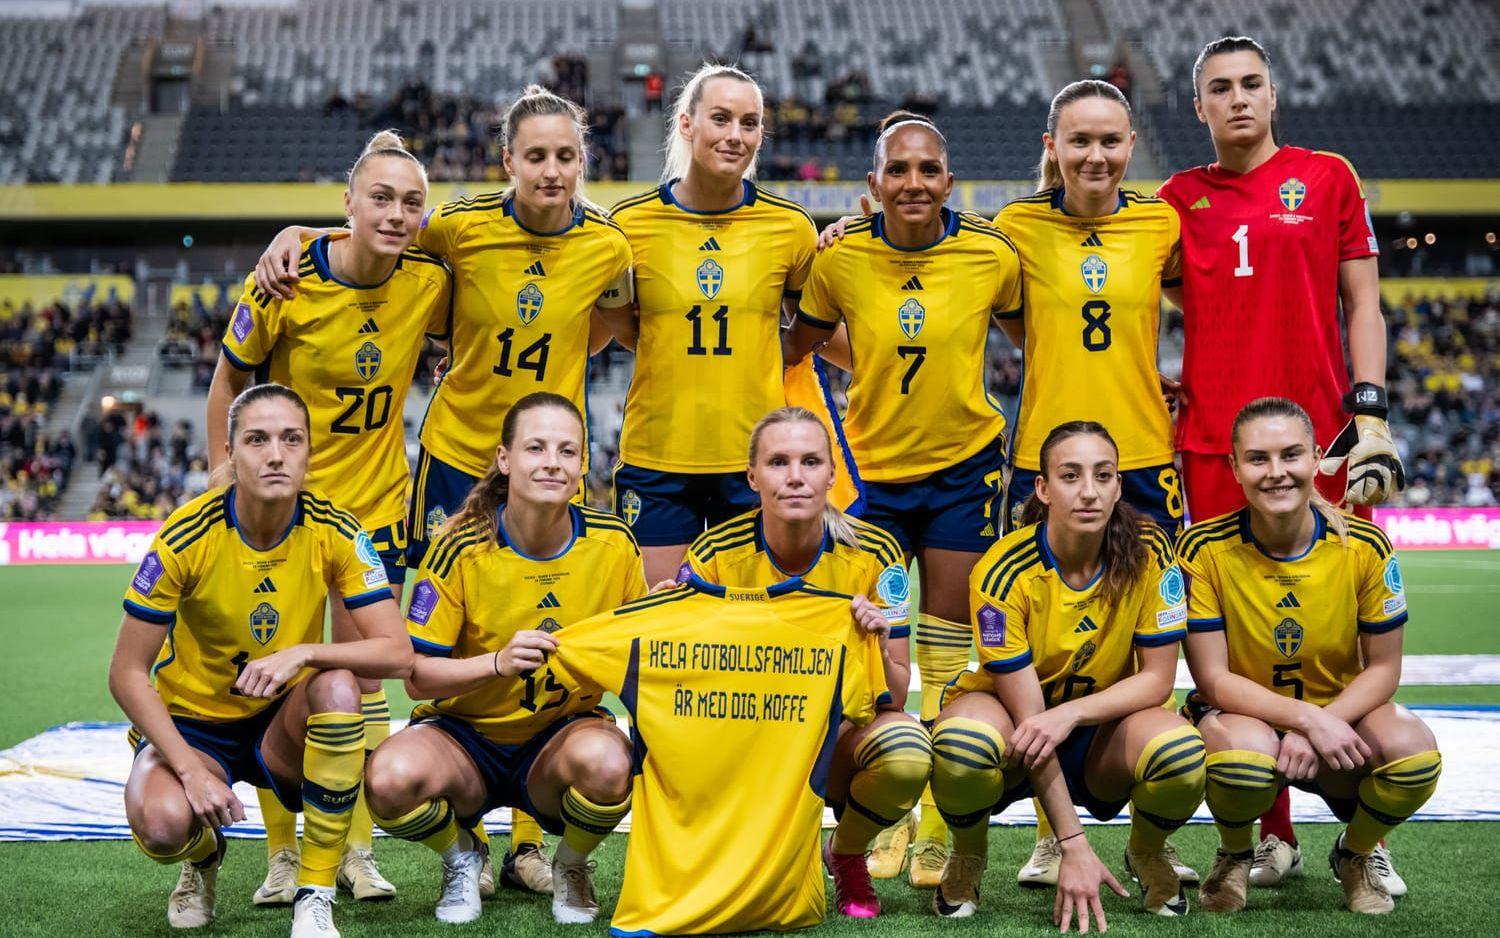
(1043, 826)
(524, 830)
(892, 765)
(333, 763)
(281, 824)
(377, 713)
(942, 654)
(1169, 782)
(430, 824)
(967, 779)
(586, 823)
(199, 847)
(480, 834)
(1239, 788)
(1389, 795)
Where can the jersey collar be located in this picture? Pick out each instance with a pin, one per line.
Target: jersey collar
(232, 522)
(789, 585)
(664, 192)
(507, 207)
(1059, 193)
(1050, 562)
(505, 541)
(1320, 530)
(763, 547)
(950, 227)
(325, 271)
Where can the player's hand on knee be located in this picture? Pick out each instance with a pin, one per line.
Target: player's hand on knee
(1038, 736)
(1079, 876)
(1336, 742)
(835, 231)
(213, 802)
(868, 617)
(276, 271)
(526, 651)
(1297, 759)
(266, 677)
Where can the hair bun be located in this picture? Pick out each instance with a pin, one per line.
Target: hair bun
(385, 140)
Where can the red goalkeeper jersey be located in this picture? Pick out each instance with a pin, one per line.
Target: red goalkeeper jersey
(1260, 260)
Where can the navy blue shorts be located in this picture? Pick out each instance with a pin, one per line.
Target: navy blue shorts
(1155, 492)
(952, 509)
(1072, 756)
(391, 544)
(666, 508)
(1195, 708)
(503, 767)
(439, 491)
(235, 745)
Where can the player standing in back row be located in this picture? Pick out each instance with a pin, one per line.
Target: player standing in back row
(1274, 241)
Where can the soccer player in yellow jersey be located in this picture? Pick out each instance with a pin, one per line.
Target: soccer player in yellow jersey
(917, 285)
(880, 769)
(228, 604)
(1096, 259)
(348, 344)
(533, 266)
(516, 564)
(718, 263)
(1295, 617)
(1078, 617)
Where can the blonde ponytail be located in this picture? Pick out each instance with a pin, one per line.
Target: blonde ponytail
(679, 152)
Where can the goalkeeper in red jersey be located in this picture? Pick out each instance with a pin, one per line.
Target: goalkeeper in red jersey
(1277, 248)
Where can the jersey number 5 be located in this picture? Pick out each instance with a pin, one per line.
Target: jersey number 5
(544, 687)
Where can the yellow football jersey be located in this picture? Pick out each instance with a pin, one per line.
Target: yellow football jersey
(1292, 625)
(521, 314)
(225, 604)
(350, 351)
(735, 554)
(471, 596)
(919, 322)
(1025, 614)
(735, 700)
(1093, 301)
(708, 361)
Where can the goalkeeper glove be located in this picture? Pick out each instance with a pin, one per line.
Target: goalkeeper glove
(1366, 444)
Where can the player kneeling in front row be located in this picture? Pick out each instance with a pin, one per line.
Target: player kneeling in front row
(228, 603)
(1296, 617)
(515, 564)
(1063, 609)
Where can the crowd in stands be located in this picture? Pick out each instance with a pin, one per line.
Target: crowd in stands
(145, 470)
(457, 137)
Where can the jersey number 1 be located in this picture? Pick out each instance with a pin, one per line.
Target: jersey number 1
(1242, 238)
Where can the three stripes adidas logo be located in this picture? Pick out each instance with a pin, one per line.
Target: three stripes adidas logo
(1092, 241)
(1289, 601)
(369, 327)
(549, 602)
(1201, 203)
(535, 270)
(912, 284)
(1087, 625)
(266, 586)
(712, 244)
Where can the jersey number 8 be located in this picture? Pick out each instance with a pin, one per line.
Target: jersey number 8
(1096, 337)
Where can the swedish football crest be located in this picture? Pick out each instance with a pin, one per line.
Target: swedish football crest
(1081, 656)
(549, 624)
(710, 277)
(1095, 272)
(367, 360)
(911, 316)
(263, 622)
(630, 506)
(435, 519)
(1288, 637)
(529, 303)
(1292, 192)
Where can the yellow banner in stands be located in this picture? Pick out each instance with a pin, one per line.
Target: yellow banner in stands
(323, 202)
(16, 290)
(1399, 291)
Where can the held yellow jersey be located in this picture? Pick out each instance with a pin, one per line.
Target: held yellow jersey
(1024, 613)
(735, 700)
(350, 351)
(1093, 300)
(1292, 625)
(471, 596)
(918, 323)
(708, 361)
(522, 306)
(225, 604)
(735, 554)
